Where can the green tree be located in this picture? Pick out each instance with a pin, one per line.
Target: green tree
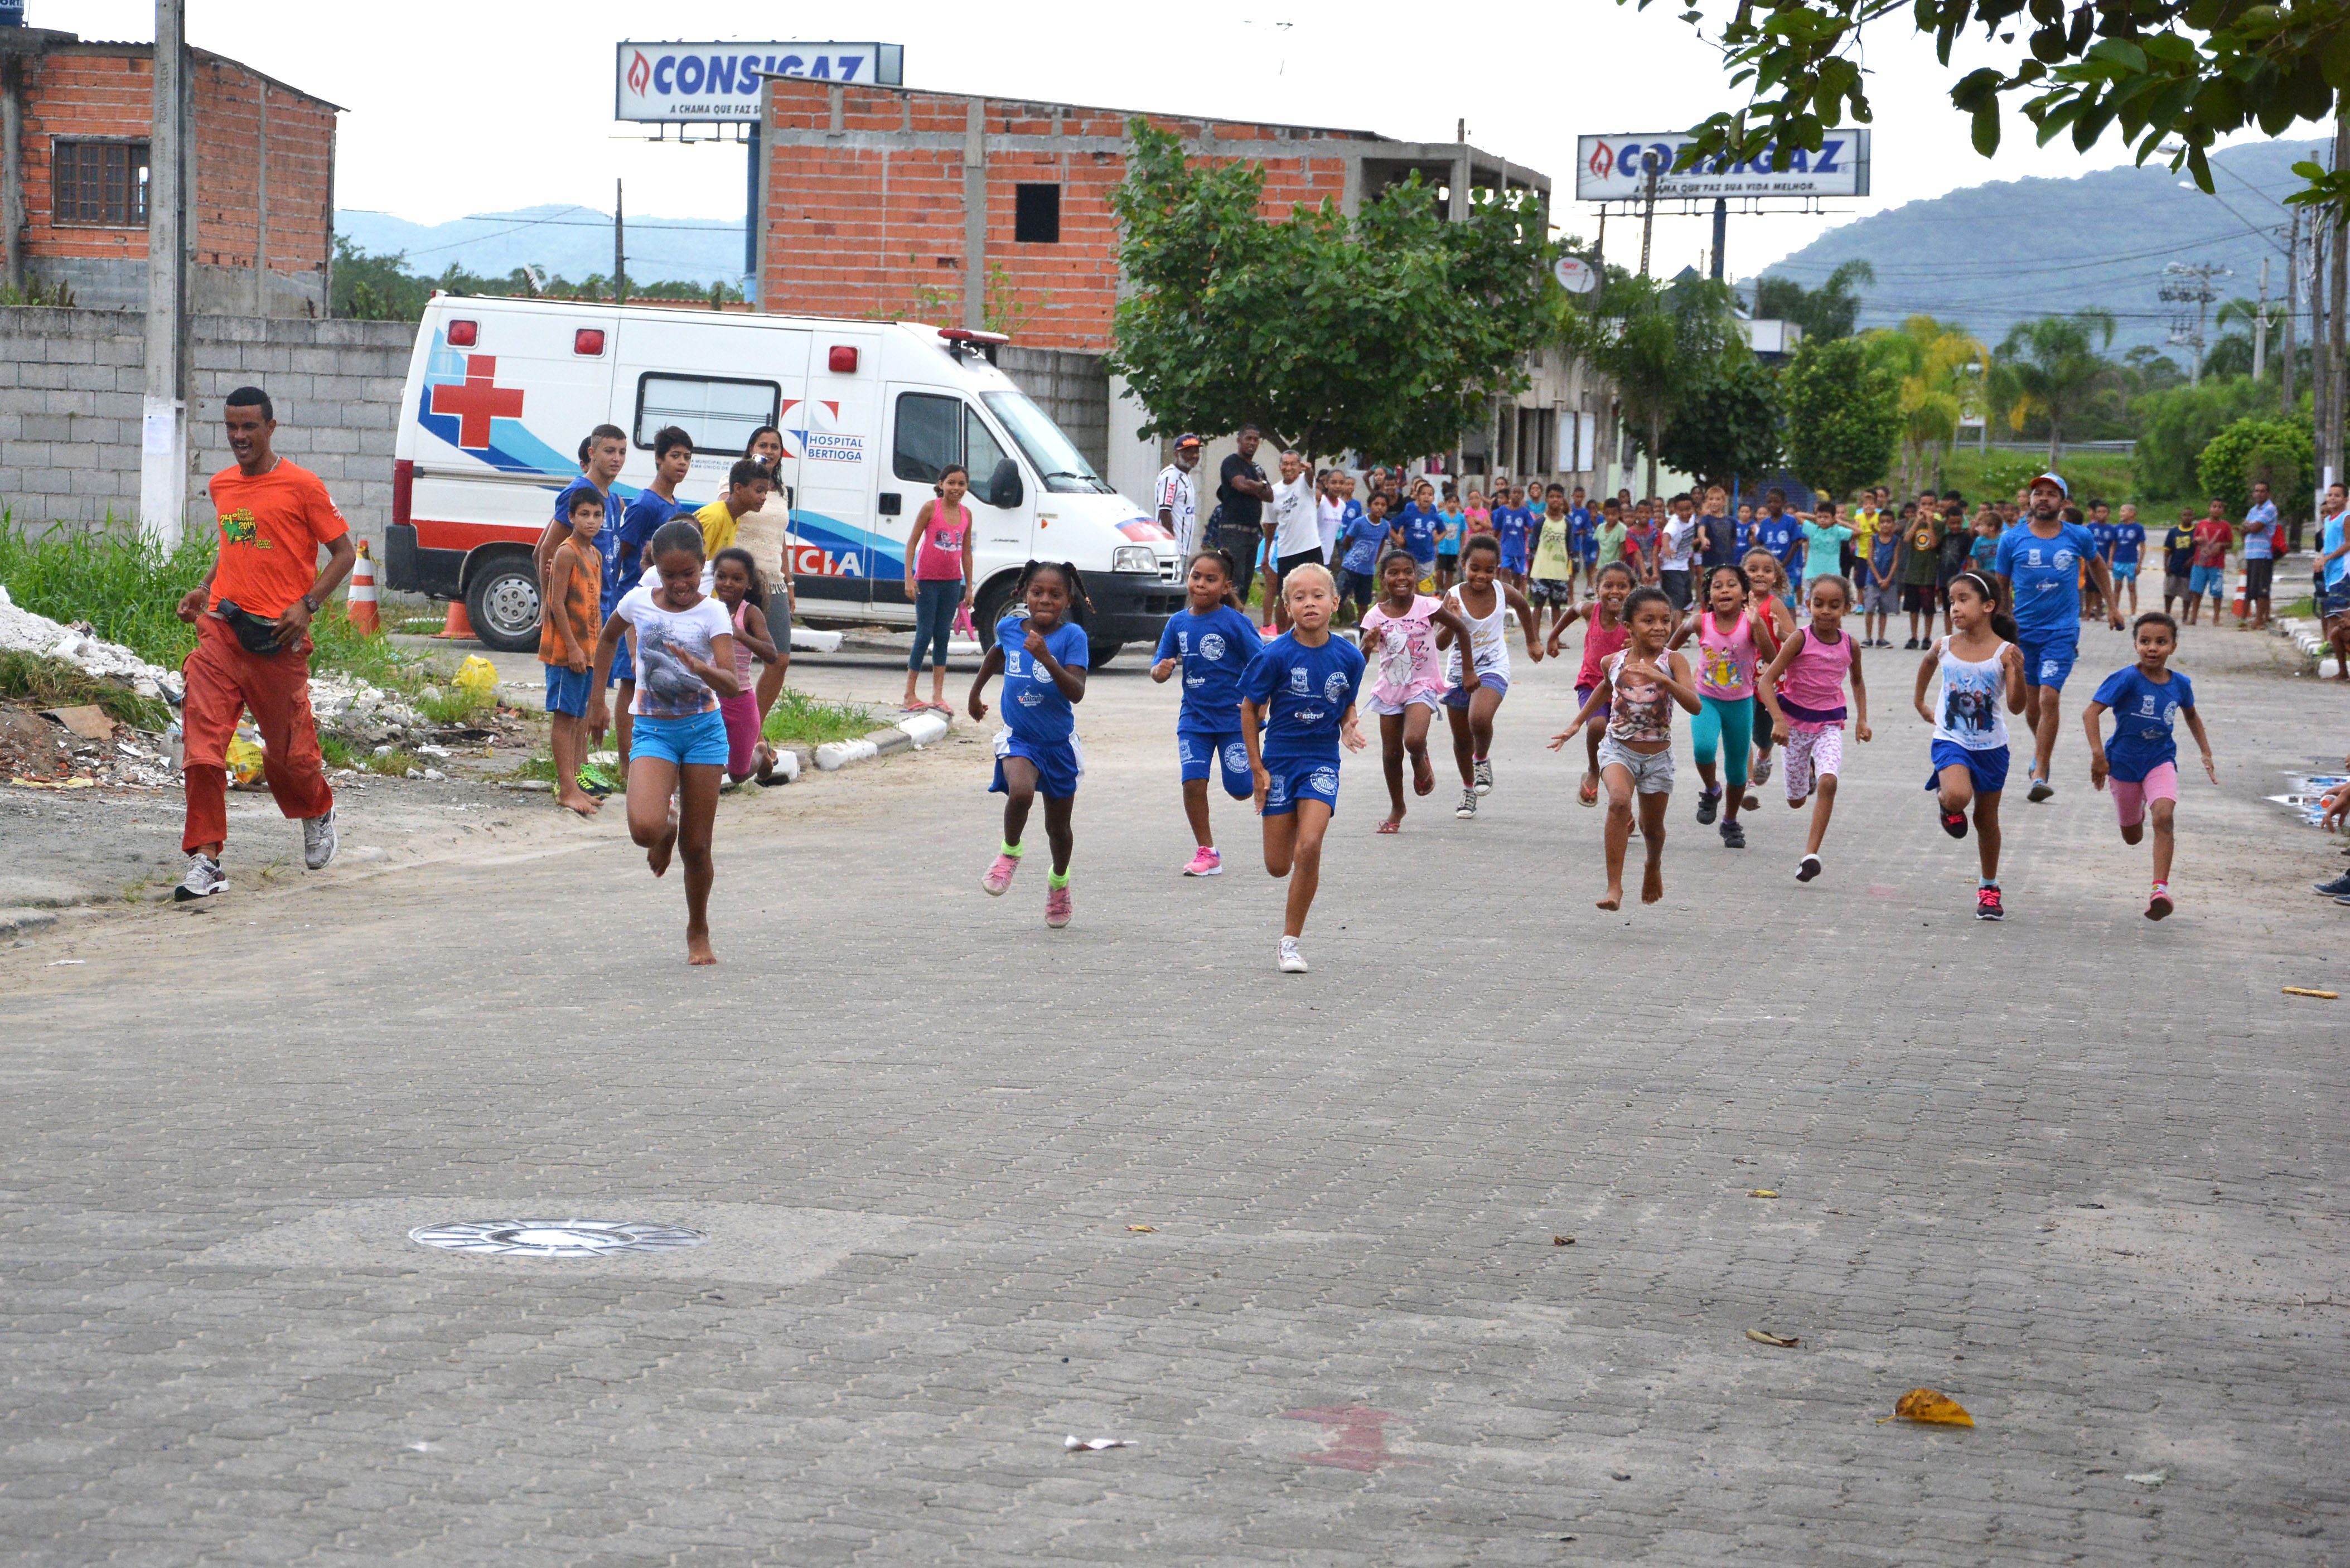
(1829, 311)
(2178, 423)
(2052, 367)
(1940, 370)
(2278, 452)
(1727, 425)
(2171, 75)
(1387, 334)
(1844, 415)
(1656, 342)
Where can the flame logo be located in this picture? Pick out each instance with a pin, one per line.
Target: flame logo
(640, 71)
(1602, 160)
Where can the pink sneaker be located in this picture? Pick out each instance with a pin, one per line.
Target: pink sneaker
(1206, 863)
(1058, 906)
(999, 876)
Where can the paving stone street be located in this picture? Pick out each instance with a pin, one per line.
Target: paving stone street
(972, 1186)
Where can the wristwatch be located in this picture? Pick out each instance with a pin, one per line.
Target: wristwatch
(308, 606)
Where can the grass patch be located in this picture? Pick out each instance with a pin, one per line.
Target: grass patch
(539, 765)
(337, 752)
(456, 706)
(393, 764)
(53, 683)
(798, 717)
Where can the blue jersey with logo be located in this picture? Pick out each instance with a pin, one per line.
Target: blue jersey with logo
(1584, 535)
(643, 518)
(1418, 530)
(2129, 538)
(1214, 649)
(2046, 577)
(1450, 526)
(2101, 535)
(1303, 692)
(1778, 535)
(1510, 528)
(1359, 542)
(2143, 713)
(1032, 706)
(608, 537)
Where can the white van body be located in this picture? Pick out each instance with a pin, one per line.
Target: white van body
(869, 411)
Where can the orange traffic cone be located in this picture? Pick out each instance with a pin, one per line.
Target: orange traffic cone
(459, 628)
(360, 604)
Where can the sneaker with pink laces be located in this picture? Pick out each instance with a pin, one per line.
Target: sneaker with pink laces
(999, 876)
(1058, 906)
(1209, 862)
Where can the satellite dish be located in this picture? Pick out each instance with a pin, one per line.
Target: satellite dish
(1574, 274)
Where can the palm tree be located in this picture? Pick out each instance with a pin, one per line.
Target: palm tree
(2050, 367)
(1653, 341)
(2248, 315)
(1826, 312)
(1941, 368)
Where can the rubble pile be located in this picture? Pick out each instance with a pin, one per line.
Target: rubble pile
(21, 631)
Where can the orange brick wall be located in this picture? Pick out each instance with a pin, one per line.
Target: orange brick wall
(867, 230)
(85, 91)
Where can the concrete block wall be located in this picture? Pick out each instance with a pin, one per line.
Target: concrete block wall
(1072, 388)
(71, 384)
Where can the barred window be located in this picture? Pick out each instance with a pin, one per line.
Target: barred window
(102, 183)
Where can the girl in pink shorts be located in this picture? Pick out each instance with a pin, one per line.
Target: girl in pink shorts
(734, 584)
(2141, 762)
(1803, 689)
(1398, 638)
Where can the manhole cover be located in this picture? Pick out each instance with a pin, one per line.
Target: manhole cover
(553, 1238)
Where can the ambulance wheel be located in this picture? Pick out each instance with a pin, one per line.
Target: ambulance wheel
(1098, 653)
(502, 601)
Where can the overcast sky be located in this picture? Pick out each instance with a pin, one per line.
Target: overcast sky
(456, 109)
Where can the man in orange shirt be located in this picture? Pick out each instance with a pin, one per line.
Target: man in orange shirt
(252, 615)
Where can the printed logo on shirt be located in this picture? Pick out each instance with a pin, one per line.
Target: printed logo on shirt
(1335, 687)
(1307, 715)
(238, 527)
(1301, 682)
(1031, 698)
(1212, 647)
(1183, 643)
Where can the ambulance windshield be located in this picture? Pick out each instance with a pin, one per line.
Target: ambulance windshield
(1058, 462)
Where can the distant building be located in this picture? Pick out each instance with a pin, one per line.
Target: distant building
(1772, 340)
(75, 118)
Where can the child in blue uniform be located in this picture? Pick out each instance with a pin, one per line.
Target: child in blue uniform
(1510, 525)
(1042, 658)
(1297, 706)
(1211, 643)
(1414, 529)
(2142, 762)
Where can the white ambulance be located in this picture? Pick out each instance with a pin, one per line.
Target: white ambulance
(501, 391)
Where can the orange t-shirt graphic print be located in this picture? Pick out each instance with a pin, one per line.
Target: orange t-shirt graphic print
(271, 525)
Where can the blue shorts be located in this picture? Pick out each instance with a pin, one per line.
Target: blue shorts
(566, 689)
(1301, 778)
(2201, 580)
(1514, 560)
(2125, 568)
(2338, 598)
(1197, 751)
(1987, 768)
(1059, 763)
(2048, 663)
(697, 740)
(1458, 696)
(1588, 551)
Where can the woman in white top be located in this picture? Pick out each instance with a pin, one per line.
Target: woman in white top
(766, 534)
(1484, 604)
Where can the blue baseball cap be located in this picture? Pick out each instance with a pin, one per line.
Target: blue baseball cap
(1186, 438)
(2057, 479)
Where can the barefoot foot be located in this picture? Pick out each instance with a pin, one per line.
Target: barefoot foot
(586, 804)
(697, 946)
(662, 848)
(1615, 900)
(1652, 882)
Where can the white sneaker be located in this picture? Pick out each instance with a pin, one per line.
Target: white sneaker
(203, 881)
(1483, 773)
(1292, 960)
(319, 840)
(1468, 806)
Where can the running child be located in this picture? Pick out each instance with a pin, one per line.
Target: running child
(1451, 526)
(1553, 580)
(1211, 643)
(2143, 760)
(1510, 525)
(1979, 669)
(1607, 635)
(735, 586)
(1637, 686)
(1773, 597)
(1297, 706)
(676, 741)
(2129, 542)
(1042, 658)
(1401, 629)
(1413, 528)
(1803, 689)
(1470, 708)
(1732, 641)
(1360, 540)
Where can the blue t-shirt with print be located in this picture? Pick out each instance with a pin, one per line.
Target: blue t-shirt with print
(2101, 535)
(1418, 531)
(1449, 527)
(1510, 528)
(1583, 528)
(2046, 577)
(643, 519)
(1778, 535)
(2143, 713)
(1032, 706)
(608, 537)
(2260, 532)
(2128, 539)
(1214, 649)
(1359, 542)
(1303, 692)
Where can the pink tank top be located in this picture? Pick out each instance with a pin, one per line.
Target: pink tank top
(1600, 640)
(741, 653)
(1812, 690)
(938, 557)
(1725, 665)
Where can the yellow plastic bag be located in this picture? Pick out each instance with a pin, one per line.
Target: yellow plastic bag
(477, 677)
(245, 761)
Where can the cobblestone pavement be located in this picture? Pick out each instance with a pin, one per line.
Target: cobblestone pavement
(972, 1187)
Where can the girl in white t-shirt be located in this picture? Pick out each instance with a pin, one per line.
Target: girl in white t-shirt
(676, 746)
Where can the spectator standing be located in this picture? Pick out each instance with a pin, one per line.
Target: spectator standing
(608, 448)
(2208, 576)
(2179, 560)
(1294, 529)
(2334, 575)
(766, 534)
(2260, 530)
(1241, 494)
(1178, 496)
(252, 615)
(1921, 566)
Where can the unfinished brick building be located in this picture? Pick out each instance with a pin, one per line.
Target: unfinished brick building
(75, 118)
(976, 210)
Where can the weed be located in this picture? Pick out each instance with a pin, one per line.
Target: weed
(53, 683)
(393, 764)
(456, 706)
(540, 766)
(336, 752)
(797, 716)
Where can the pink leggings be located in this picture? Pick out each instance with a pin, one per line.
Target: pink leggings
(2161, 782)
(742, 715)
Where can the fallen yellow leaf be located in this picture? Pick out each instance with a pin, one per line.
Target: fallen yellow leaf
(1142, 1227)
(1761, 1336)
(1762, 1192)
(2320, 995)
(1928, 1406)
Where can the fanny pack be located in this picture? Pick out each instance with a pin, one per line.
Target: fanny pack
(258, 634)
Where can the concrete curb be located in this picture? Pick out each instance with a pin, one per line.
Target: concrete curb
(2309, 636)
(15, 922)
(910, 733)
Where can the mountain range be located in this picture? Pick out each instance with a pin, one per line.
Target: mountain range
(563, 241)
(2009, 250)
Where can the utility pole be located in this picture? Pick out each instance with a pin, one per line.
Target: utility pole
(2292, 308)
(620, 250)
(2260, 327)
(2194, 289)
(164, 445)
(2338, 299)
(1721, 232)
(1648, 220)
